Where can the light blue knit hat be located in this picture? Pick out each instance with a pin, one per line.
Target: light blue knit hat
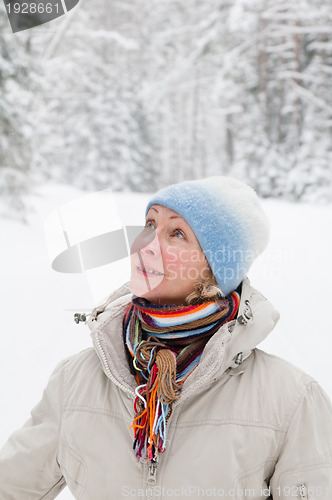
(228, 222)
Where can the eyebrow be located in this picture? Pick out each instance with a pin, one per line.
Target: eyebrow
(171, 217)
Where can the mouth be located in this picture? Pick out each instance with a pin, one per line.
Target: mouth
(148, 271)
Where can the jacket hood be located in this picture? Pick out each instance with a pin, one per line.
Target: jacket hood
(225, 352)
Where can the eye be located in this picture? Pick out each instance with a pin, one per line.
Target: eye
(178, 233)
(150, 224)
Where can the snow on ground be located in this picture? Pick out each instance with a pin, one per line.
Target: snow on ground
(37, 327)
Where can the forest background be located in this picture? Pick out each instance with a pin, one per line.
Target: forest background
(135, 95)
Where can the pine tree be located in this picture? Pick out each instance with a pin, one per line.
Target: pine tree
(16, 121)
(100, 136)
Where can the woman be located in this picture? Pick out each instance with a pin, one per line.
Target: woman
(174, 398)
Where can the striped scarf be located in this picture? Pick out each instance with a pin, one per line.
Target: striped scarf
(165, 344)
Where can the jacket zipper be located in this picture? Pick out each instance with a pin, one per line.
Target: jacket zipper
(152, 470)
(108, 370)
(152, 474)
(151, 479)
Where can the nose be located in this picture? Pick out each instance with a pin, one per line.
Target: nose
(151, 245)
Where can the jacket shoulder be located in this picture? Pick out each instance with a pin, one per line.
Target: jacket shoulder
(84, 379)
(284, 383)
(282, 368)
(82, 360)
(272, 389)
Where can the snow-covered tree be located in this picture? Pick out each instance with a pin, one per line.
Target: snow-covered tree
(17, 82)
(97, 134)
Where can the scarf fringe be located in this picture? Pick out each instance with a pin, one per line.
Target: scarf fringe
(164, 354)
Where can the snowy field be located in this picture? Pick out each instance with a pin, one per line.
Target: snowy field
(37, 327)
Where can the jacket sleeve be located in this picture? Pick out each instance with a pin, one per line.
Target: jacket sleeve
(304, 467)
(28, 461)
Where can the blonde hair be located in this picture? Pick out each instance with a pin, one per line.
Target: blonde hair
(205, 291)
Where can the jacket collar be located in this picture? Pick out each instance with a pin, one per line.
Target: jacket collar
(225, 351)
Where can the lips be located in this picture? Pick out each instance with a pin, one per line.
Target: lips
(148, 271)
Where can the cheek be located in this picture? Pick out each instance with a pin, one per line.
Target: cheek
(175, 257)
(183, 259)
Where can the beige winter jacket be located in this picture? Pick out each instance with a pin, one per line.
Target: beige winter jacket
(247, 426)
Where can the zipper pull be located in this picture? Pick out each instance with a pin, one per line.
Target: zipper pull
(151, 479)
(80, 317)
(246, 315)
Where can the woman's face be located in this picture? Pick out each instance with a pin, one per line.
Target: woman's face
(166, 259)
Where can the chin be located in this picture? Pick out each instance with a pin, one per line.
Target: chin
(141, 288)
